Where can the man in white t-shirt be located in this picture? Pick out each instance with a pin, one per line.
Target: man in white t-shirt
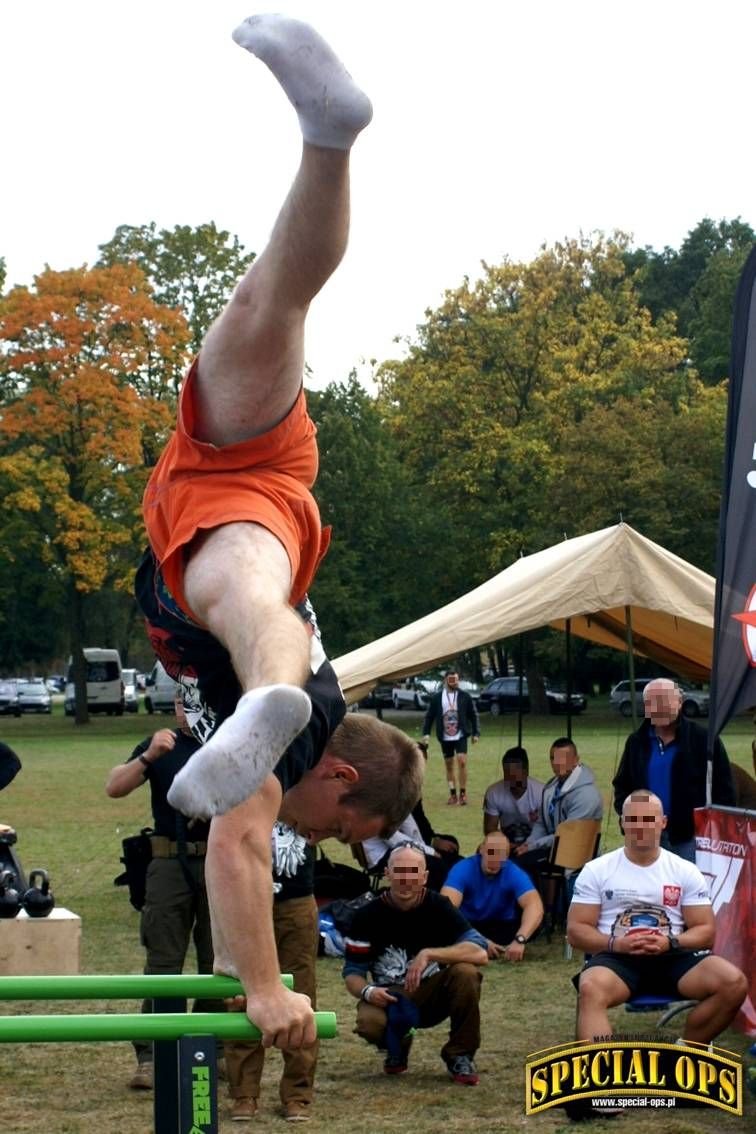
(513, 803)
(645, 916)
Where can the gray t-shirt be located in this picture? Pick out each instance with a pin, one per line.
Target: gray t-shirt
(512, 812)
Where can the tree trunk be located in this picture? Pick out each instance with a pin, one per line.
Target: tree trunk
(79, 664)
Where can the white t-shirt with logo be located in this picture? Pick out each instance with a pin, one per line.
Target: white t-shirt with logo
(450, 715)
(641, 899)
(500, 802)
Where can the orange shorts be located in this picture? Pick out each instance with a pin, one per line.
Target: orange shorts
(196, 486)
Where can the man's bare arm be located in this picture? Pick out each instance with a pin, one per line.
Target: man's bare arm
(582, 933)
(240, 891)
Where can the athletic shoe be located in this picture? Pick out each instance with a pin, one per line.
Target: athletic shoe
(462, 1070)
(452, 800)
(243, 1109)
(463, 799)
(297, 1111)
(398, 1064)
(141, 1080)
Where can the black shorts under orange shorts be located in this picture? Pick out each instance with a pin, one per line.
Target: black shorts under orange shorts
(196, 486)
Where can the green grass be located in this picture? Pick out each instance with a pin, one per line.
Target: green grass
(66, 824)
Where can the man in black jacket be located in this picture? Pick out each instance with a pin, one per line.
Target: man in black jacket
(456, 718)
(668, 754)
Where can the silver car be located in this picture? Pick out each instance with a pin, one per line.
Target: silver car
(695, 702)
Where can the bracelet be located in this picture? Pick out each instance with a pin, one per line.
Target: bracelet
(144, 761)
(611, 942)
(365, 993)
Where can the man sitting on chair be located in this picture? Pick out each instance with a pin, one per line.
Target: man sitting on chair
(645, 916)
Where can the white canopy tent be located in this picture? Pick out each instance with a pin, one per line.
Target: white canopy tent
(596, 581)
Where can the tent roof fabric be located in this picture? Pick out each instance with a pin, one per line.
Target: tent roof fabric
(590, 580)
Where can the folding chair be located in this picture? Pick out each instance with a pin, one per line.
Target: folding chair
(576, 841)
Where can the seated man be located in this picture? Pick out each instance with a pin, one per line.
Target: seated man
(513, 803)
(235, 540)
(487, 889)
(424, 960)
(570, 794)
(644, 914)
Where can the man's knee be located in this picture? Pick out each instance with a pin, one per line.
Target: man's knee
(463, 976)
(371, 1023)
(594, 992)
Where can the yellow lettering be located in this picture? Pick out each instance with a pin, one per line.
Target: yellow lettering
(707, 1077)
(685, 1073)
(599, 1057)
(655, 1079)
(727, 1092)
(617, 1067)
(636, 1072)
(580, 1072)
(539, 1085)
(560, 1072)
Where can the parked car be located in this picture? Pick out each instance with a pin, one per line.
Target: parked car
(161, 691)
(56, 683)
(409, 693)
(380, 697)
(695, 701)
(502, 695)
(9, 704)
(104, 683)
(130, 694)
(33, 697)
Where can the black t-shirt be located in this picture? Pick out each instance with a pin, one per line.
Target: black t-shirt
(384, 939)
(210, 688)
(10, 765)
(160, 775)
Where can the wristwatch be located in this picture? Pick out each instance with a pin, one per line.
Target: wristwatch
(674, 944)
(520, 939)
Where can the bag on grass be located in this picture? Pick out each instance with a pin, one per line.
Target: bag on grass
(136, 857)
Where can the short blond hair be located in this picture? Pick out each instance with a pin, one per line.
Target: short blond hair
(390, 767)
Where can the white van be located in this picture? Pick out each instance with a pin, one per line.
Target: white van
(104, 683)
(161, 691)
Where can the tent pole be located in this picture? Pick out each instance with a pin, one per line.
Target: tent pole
(568, 663)
(631, 665)
(520, 655)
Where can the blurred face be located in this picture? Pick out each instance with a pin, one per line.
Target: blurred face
(493, 852)
(314, 809)
(406, 875)
(515, 775)
(452, 680)
(661, 703)
(643, 821)
(563, 760)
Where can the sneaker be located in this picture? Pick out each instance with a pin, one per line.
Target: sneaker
(463, 799)
(452, 800)
(462, 1070)
(141, 1080)
(243, 1109)
(297, 1111)
(398, 1064)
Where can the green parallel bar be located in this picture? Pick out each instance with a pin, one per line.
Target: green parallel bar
(151, 1026)
(128, 986)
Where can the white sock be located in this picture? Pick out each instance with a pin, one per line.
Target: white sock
(240, 755)
(331, 107)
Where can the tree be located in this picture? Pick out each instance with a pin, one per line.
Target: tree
(83, 411)
(507, 373)
(191, 269)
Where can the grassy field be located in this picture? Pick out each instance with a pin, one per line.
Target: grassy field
(67, 825)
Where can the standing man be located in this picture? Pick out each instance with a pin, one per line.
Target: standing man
(175, 907)
(513, 803)
(456, 718)
(645, 917)
(424, 959)
(668, 755)
(235, 540)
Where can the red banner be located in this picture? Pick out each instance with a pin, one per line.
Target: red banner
(726, 855)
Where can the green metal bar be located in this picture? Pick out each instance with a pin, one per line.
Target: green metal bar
(129, 986)
(150, 1026)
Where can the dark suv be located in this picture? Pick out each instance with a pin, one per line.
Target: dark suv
(503, 696)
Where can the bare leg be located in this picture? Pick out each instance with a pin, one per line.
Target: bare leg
(451, 774)
(462, 765)
(599, 990)
(238, 577)
(721, 989)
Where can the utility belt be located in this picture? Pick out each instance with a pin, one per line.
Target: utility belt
(163, 847)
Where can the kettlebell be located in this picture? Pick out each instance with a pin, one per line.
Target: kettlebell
(38, 899)
(10, 902)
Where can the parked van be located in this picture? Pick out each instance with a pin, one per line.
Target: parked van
(104, 683)
(161, 691)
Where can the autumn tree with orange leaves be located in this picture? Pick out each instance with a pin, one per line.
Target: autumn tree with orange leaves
(89, 371)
